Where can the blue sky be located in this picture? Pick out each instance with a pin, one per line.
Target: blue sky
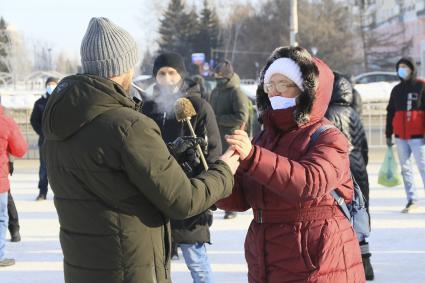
(61, 24)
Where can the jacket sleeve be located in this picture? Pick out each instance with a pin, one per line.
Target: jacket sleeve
(390, 115)
(323, 168)
(207, 126)
(35, 119)
(240, 111)
(16, 144)
(151, 168)
(236, 201)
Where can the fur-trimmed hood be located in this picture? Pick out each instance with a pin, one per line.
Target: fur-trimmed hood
(317, 82)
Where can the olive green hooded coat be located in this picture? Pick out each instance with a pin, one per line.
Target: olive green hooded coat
(231, 107)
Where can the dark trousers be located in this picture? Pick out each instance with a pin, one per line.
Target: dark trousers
(13, 214)
(42, 175)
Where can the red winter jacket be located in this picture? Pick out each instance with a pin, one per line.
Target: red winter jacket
(11, 142)
(298, 233)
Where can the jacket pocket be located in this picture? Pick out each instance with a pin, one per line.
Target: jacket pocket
(308, 261)
(312, 243)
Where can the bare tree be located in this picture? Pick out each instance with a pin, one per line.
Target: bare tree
(383, 43)
(66, 65)
(15, 58)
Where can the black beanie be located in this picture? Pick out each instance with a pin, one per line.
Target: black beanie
(51, 79)
(172, 60)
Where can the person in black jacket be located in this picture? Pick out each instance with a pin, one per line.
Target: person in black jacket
(342, 113)
(169, 70)
(36, 115)
(406, 120)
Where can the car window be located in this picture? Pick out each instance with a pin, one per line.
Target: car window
(391, 78)
(363, 80)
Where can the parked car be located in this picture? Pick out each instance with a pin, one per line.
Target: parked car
(374, 77)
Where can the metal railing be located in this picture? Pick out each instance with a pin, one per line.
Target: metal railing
(374, 115)
(374, 120)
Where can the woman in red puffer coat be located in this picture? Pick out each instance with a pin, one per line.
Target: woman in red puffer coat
(298, 233)
(11, 143)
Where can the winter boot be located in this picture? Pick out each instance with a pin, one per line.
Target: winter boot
(15, 236)
(229, 214)
(410, 207)
(41, 197)
(368, 269)
(174, 253)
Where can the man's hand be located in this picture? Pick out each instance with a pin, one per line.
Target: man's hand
(11, 168)
(231, 157)
(184, 151)
(390, 142)
(182, 144)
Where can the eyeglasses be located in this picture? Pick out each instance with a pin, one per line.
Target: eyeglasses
(279, 87)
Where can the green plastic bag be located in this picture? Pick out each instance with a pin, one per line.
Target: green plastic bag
(389, 174)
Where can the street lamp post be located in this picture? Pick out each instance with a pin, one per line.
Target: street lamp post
(293, 23)
(50, 59)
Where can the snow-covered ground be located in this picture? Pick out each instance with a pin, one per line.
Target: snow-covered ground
(397, 241)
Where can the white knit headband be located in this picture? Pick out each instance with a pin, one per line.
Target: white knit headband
(286, 67)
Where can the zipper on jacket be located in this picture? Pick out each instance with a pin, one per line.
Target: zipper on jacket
(167, 248)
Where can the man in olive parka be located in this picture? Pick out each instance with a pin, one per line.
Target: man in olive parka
(230, 105)
(115, 183)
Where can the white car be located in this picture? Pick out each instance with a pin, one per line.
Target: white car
(374, 77)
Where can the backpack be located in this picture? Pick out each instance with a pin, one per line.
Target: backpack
(356, 211)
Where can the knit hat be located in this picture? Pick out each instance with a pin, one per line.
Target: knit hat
(286, 67)
(224, 69)
(51, 80)
(170, 59)
(107, 50)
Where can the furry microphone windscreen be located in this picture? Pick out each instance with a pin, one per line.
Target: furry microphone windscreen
(184, 109)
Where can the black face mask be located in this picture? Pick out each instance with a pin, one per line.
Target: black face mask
(221, 81)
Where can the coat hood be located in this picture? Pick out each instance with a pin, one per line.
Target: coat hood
(79, 99)
(342, 92)
(234, 82)
(409, 62)
(317, 82)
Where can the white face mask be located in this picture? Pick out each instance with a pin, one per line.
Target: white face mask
(280, 102)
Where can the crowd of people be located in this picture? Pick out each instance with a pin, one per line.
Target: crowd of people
(132, 183)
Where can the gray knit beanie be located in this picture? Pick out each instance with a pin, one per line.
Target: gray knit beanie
(107, 50)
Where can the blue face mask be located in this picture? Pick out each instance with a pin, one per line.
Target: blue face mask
(50, 89)
(280, 102)
(403, 73)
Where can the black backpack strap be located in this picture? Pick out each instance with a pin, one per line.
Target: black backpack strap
(339, 200)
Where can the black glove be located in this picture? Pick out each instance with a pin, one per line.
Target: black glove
(204, 218)
(184, 151)
(181, 144)
(390, 142)
(11, 168)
